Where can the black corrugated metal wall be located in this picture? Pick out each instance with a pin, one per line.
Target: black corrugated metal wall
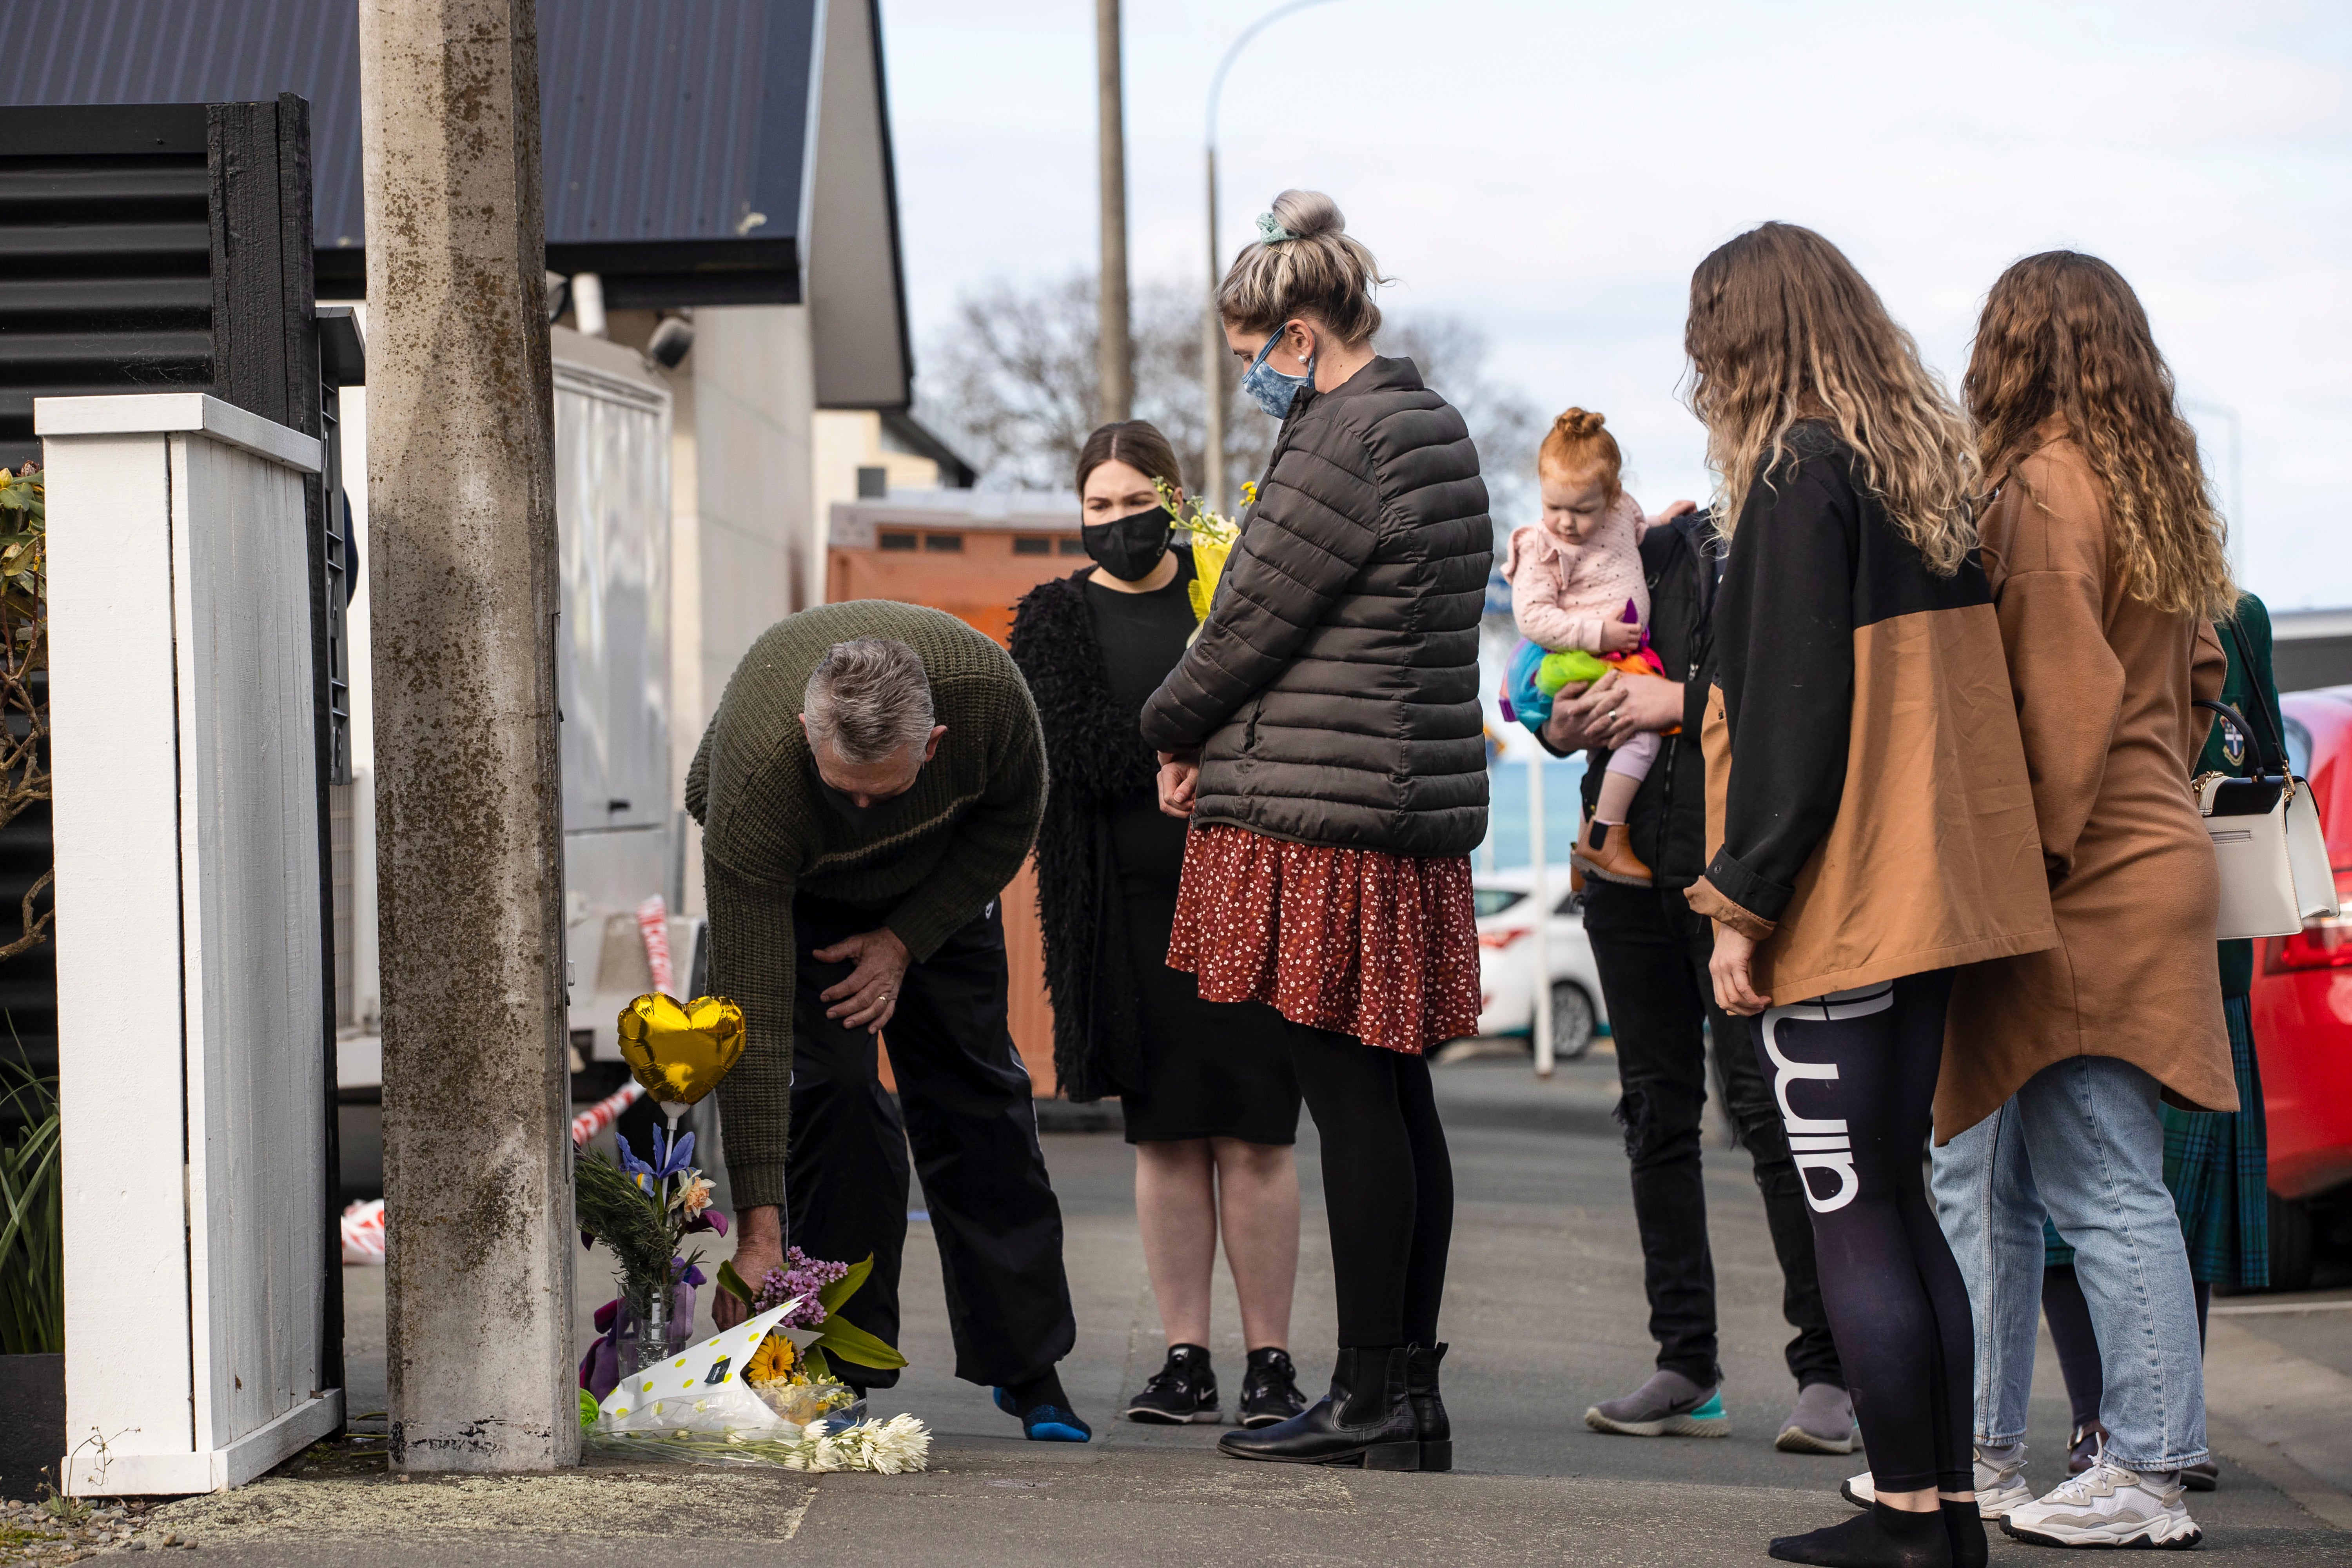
(675, 131)
(105, 260)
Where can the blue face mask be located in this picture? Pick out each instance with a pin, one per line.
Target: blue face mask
(1271, 389)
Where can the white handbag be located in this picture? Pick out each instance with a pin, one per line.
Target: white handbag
(2265, 829)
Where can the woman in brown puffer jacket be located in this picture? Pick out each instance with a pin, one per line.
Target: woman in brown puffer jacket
(1325, 737)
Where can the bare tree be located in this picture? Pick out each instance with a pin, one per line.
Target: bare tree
(1013, 375)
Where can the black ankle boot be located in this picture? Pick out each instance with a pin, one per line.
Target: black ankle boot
(1428, 1408)
(1366, 1419)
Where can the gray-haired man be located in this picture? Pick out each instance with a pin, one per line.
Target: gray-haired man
(872, 780)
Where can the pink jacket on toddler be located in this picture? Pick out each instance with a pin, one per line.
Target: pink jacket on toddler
(1562, 593)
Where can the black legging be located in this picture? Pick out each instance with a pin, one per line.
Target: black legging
(1388, 1185)
(1855, 1075)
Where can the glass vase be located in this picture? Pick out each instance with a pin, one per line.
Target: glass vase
(656, 1336)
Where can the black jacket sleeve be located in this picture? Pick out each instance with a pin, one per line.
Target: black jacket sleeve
(1784, 653)
(1313, 528)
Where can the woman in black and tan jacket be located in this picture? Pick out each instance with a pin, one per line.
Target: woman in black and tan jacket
(1872, 821)
(1323, 733)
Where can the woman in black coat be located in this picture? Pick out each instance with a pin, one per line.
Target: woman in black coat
(1206, 1087)
(1323, 735)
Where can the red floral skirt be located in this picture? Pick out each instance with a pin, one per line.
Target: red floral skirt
(1383, 947)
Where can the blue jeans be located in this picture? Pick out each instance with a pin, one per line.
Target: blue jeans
(2083, 1142)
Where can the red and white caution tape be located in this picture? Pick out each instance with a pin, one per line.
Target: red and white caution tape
(652, 922)
(363, 1232)
(603, 1113)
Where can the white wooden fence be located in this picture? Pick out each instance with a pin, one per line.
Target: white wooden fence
(189, 984)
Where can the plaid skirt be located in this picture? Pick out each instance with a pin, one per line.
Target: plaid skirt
(1383, 947)
(2217, 1164)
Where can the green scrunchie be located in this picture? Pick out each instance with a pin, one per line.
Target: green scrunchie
(1270, 230)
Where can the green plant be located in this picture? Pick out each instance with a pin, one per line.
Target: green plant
(611, 1207)
(23, 664)
(839, 1336)
(32, 1220)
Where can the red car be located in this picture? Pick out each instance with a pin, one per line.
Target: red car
(2303, 1013)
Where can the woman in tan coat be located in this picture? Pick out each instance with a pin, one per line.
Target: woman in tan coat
(2107, 561)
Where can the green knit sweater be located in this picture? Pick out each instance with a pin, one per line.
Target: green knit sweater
(768, 833)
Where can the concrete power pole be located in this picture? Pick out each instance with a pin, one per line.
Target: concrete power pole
(461, 514)
(1115, 354)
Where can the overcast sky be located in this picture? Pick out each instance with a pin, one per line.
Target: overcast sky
(1552, 171)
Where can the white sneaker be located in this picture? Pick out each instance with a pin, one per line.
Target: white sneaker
(1999, 1488)
(2108, 1505)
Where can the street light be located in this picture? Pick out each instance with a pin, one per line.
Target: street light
(1213, 337)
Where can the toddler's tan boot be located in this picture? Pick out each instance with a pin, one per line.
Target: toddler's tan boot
(1607, 852)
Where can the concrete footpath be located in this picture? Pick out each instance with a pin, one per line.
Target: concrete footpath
(1545, 1313)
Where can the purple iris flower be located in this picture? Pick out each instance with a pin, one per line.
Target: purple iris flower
(670, 1159)
(673, 1161)
(631, 1164)
(708, 1219)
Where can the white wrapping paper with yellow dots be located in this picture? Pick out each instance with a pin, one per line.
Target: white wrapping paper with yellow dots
(700, 1390)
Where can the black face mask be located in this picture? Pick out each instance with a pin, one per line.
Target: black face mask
(868, 820)
(1129, 547)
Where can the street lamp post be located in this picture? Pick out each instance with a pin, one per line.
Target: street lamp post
(1115, 361)
(1213, 337)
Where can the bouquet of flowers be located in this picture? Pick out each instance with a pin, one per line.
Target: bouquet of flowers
(797, 1381)
(704, 1407)
(642, 1210)
(1213, 536)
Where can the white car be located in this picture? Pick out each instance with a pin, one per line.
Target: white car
(1506, 960)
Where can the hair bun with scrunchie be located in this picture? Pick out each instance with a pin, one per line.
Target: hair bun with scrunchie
(1577, 445)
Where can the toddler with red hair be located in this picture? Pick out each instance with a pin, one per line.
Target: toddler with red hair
(1580, 601)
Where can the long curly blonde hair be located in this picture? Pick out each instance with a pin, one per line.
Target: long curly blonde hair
(1783, 330)
(2062, 333)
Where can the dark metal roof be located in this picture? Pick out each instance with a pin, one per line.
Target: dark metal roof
(675, 131)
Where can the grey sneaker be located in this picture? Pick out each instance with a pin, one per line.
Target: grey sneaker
(1822, 1422)
(1668, 1405)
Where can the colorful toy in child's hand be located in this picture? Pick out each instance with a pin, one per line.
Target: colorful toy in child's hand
(1556, 671)
(1535, 676)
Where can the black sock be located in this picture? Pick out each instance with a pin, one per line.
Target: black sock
(1042, 1390)
(1883, 1538)
(1964, 1528)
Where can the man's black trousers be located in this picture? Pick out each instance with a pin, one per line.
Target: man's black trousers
(1653, 952)
(968, 1111)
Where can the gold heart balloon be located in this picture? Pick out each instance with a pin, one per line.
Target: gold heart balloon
(680, 1052)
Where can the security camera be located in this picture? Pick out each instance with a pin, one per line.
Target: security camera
(670, 342)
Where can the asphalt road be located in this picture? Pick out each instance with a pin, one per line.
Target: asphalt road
(1545, 1314)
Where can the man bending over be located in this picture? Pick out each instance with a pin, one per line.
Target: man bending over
(870, 783)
